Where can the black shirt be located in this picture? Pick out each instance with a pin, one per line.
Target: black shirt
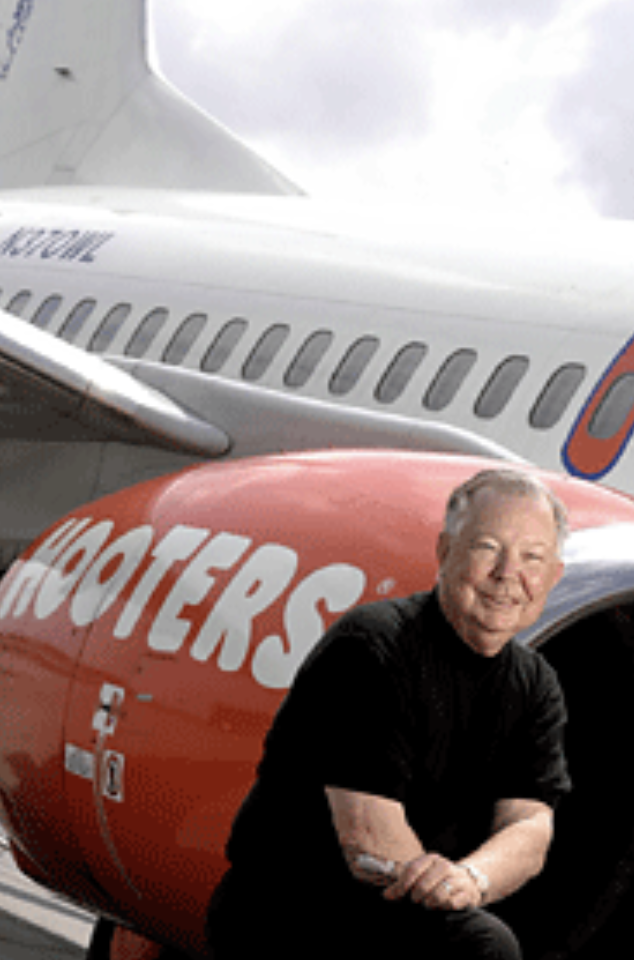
(392, 702)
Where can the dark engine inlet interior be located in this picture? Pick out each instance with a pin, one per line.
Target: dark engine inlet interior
(582, 906)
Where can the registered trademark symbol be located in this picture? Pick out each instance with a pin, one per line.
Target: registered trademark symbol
(385, 587)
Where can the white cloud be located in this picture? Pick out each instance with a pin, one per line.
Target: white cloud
(593, 113)
(438, 102)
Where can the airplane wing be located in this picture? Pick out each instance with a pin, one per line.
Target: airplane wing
(51, 390)
(262, 421)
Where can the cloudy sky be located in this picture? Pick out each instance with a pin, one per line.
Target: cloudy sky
(521, 104)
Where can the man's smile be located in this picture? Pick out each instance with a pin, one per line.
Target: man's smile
(502, 602)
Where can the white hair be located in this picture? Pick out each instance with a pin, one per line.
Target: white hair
(505, 481)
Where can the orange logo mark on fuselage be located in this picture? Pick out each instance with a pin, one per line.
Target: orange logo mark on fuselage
(591, 450)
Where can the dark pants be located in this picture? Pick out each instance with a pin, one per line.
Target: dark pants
(274, 919)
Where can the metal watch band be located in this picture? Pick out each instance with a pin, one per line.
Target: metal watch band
(480, 878)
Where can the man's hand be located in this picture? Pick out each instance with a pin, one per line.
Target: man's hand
(377, 827)
(436, 883)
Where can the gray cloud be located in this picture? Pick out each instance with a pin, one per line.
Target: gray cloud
(496, 16)
(340, 82)
(337, 78)
(593, 114)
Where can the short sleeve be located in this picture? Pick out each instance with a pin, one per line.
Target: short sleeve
(349, 711)
(537, 768)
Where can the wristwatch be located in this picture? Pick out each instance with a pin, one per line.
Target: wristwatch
(480, 879)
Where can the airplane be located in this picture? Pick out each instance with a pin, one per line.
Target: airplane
(166, 297)
(147, 639)
(174, 313)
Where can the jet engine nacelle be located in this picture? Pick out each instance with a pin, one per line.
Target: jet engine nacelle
(147, 640)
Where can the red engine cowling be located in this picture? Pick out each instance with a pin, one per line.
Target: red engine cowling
(146, 641)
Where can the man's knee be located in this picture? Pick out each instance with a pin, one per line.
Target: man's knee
(479, 935)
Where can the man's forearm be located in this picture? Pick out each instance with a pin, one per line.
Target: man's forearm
(370, 826)
(517, 850)
(376, 828)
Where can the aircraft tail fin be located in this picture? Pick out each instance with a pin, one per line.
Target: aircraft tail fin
(79, 104)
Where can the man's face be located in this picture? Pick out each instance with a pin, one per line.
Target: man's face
(497, 571)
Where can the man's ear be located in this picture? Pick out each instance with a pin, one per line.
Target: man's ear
(442, 547)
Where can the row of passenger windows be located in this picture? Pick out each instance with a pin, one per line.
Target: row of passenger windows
(444, 386)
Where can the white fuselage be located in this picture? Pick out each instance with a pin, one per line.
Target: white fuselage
(501, 334)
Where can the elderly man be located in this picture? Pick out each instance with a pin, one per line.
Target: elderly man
(410, 777)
